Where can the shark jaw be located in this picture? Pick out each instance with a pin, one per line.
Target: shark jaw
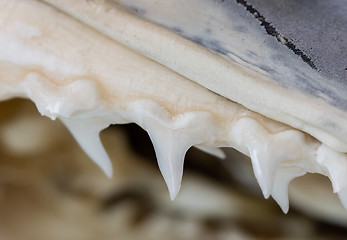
(75, 72)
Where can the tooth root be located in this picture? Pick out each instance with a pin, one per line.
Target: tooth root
(280, 188)
(170, 148)
(87, 135)
(213, 151)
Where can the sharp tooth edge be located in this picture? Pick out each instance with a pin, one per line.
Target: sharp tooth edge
(243, 133)
(172, 136)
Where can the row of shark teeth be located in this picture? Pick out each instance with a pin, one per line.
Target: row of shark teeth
(89, 81)
(277, 158)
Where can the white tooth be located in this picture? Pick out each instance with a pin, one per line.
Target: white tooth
(170, 149)
(251, 134)
(336, 165)
(217, 152)
(87, 135)
(65, 82)
(172, 136)
(267, 150)
(280, 187)
(343, 197)
(264, 166)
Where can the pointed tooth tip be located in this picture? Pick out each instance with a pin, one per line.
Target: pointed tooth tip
(336, 189)
(87, 136)
(170, 152)
(173, 195)
(108, 172)
(265, 189)
(173, 191)
(264, 174)
(105, 165)
(266, 194)
(336, 186)
(284, 209)
(282, 203)
(343, 197)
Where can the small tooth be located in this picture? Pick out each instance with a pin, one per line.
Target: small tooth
(87, 135)
(249, 133)
(264, 166)
(212, 150)
(343, 197)
(170, 148)
(336, 164)
(267, 150)
(280, 188)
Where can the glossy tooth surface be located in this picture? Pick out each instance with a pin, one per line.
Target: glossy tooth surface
(343, 197)
(267, 150)
(172, 136)
(47, 62)
(280, 187)
(336, 165)
(87, 136)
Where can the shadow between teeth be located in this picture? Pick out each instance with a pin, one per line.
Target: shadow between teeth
(276, 158)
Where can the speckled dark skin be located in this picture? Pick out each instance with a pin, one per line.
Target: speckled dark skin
(318, 28)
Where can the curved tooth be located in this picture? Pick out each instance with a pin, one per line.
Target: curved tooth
(343, 197)
(170, 148)
(249, 133)
(87, 135)
(172, 137)
(280, 187)
(264, 166)
(336, 164)
(267, 150)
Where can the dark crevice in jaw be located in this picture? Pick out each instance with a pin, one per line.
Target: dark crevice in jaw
(273, 32)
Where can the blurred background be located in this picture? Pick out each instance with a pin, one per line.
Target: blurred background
(49, 189)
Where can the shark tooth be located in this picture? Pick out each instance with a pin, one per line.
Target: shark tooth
(87, 136)
(186, 76)
(172, 136)
(336, 165)
(280, 188)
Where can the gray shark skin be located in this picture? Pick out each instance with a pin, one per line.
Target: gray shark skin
(317, 28)
(300, 45)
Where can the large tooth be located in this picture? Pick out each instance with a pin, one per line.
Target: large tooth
(251, 134)
(170, 149)
(280, 188)
(264, 166)
(172, 137)
(267, 150)
(87, 135)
